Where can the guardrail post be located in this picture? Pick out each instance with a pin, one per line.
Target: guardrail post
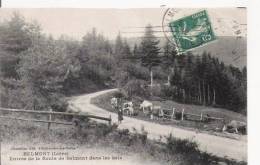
(201, 117)
(182, 114)
(50, 118)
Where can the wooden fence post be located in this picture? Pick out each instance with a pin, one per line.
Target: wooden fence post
(182, 114)
(50, 118)
(173, 113)
(110, 120)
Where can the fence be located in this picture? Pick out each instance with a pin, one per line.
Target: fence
(200, 117)
(50, 115)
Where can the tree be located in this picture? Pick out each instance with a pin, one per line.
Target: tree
(150, 51)
(169, 58)
(135, 50)
(96, 59)
(94, 44)
(43, 70)
(15, 37)
(119, 46)
(126, 52)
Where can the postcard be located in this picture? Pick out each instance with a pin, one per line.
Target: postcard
(123, 86)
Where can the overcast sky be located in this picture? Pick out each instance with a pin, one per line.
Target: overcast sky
(76, 22)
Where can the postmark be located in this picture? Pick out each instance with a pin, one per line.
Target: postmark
(187, 32)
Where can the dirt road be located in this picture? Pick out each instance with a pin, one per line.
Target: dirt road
(220, 146)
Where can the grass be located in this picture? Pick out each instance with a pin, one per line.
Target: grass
(103, 101)
(95, 135)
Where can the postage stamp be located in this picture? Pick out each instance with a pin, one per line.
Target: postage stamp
(191, 31)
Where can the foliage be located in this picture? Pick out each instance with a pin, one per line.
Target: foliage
(37, 70)
(149, 49)
(135, 88)
(204, 80)
(15, 37)
(118, 94)
(60, 105)
(181, 146)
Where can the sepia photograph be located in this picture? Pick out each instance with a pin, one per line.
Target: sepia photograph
(132, 86)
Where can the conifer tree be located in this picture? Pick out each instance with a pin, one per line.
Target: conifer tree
(150, 51)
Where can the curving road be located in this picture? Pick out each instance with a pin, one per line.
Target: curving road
(220, 146)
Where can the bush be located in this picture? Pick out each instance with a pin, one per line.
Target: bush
(137, 71)
(104, 129)
(156, 91)
(118, 94)
(135, 88)
(123, 132)
(168, 91)
(175, 145)
(143, 135)
(60, 105)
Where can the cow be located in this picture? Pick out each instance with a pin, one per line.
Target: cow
(128, 108)
(146, 106)
(156, 112)
(114, 102)
(235, 126)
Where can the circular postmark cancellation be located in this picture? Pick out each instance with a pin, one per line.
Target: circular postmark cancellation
(187, 28)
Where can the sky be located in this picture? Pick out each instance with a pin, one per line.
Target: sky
(76, 22)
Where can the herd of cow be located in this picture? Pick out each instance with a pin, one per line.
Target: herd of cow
(146, 107)
(156, 112)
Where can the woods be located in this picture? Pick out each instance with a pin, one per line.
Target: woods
(38, 70)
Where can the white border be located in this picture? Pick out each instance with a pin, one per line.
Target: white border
(120, 3)
(253, 55)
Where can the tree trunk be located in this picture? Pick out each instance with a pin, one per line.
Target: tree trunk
(199, 93)
(204, 93)
(214, 97)
(189, 97)
(208, 95)
(172, 70)
(184, 95)
(151, 75)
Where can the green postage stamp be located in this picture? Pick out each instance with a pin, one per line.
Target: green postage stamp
(192, 31)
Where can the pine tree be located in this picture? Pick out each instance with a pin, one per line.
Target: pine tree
(119, 46)
(168, 59)
(14, 38)
(135, 51)
(150, 51)
(126, 50)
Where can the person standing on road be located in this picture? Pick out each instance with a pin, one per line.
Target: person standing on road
(120, 115)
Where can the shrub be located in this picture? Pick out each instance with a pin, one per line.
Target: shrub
(60, 105)
(168, 91)
(135, 88)
(143, 135)
(118, 94)
(123, 132)
(137, 71)
(104, 129)
(175, 145)
(156, 91)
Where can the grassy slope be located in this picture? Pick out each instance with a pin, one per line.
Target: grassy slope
(133, 147)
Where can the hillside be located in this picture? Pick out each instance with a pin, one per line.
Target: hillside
(229, 49)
